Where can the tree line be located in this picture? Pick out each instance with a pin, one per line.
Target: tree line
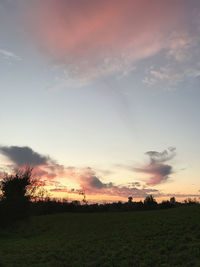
(22, 196)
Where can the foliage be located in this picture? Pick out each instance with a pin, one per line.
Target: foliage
(15, 187)
(172, 200)
(150, 202)
(16, 192)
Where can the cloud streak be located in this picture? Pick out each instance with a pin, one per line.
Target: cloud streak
(181, 60)
(9, 55)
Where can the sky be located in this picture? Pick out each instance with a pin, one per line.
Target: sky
(102, 97)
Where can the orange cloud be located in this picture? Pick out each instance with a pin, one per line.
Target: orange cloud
(53, 174)
(90, 184)
(97, 37)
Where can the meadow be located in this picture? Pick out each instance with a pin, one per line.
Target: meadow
(168, 237)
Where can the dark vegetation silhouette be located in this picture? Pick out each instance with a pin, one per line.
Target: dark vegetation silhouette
(150, 202)
(130, 200)
(22, 196)
(17, 193)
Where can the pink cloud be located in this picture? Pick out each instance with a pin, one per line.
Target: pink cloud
(159, 173)
(53, 174)
(90, 184)
(97, 37)
(157, 169)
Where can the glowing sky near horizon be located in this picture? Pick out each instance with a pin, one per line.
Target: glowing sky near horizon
(102, 95)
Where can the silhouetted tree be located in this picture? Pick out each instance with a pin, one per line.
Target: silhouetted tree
(172, 200)
(16, 193)
(190, 201)
(84, 201)
(150, 202)
(130, 200)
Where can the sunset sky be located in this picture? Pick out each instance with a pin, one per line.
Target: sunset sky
(102, 96)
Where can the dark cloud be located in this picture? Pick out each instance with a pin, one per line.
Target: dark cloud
(44, 167)
(96, 183)
(89, 179)
(22, 156)
(166, 155)
(91, 184)
(158, 170)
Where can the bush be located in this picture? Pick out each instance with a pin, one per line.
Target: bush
(16, 193)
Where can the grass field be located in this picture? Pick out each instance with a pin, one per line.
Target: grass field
(148, 238)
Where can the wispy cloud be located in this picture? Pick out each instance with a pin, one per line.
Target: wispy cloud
(9, 55)
(94, 38)
(182, 62)
(181, 45)
(166, 76)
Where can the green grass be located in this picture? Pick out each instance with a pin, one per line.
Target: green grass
(150, 238)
